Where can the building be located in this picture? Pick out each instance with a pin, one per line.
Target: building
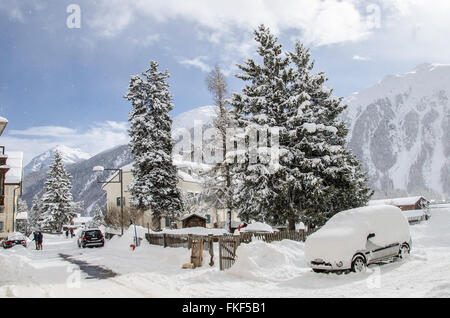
(193, 220)
(189, 181)
(405, 204)
(13, 190)
(3, 170)
(11, 174)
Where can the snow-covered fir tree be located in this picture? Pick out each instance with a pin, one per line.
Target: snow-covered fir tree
(154, 184)
(316, 176)
(35, 213)
(22, 225)
(261, 106)
(99, 217)
(58, 207)
(331, 179)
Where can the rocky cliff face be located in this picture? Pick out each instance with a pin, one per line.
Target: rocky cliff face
(400, 130)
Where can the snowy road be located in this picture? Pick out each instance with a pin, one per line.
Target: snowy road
(263, 270)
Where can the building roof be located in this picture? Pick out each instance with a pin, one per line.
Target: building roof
(397, 201)
(15, 163)
(3, 123)
(22, 216)
(192, 215)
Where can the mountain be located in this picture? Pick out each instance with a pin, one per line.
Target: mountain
(84, 181)
(44, 160)
(186, 120)
(399, 129)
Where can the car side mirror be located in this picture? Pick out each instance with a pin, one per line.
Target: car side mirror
(370, 235)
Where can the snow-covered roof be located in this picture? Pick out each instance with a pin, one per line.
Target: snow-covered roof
(82, 219)
(15, 163)
(194, 231)
(396, 201)
(3, 120)
(22, 216)
(179, 164)
(191, 215)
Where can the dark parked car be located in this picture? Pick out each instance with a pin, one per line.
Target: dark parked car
(91, 237)
(13, 239)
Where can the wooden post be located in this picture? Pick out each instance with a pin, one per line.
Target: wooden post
(164, 240)
(197, 252)
(211, 249)
(220, 253)
(189, 241)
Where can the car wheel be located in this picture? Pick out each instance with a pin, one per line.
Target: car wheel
(359, 264)
(404, 251)
(315, 270)
(82, 245)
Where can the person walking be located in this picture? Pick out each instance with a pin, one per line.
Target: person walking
(71, 233)
(36, 239)
(40, 239)
(67, 234)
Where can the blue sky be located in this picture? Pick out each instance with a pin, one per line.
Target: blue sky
(61, 85)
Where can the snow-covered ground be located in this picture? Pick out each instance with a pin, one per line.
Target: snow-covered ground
(262, 270)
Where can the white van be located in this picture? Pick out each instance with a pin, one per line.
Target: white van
(355, 238)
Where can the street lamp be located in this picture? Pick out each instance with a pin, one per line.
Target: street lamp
(101, 169)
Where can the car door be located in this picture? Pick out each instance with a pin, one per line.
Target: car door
(374, 251)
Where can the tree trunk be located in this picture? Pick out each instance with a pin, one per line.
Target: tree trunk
(291, 224)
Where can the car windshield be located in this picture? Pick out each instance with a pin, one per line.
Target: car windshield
(93, 233)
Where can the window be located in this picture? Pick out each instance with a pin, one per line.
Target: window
(1, 227)
(167, 221)
(118, 201)
(208, 218)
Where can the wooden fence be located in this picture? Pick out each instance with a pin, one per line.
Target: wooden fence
(228, 244)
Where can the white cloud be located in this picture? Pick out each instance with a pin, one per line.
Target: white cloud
(197, 62)
(44, 131)
(95, 139)
(320, 22)
(361, 58)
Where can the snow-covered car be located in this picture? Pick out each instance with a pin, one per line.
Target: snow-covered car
(13, 239)
(353, 239)
(90, 237)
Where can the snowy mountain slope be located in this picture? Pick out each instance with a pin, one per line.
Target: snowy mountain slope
(186, 120)
(45, 159)
(84, 184)
(400, 130)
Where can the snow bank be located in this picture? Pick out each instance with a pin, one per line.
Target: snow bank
(268, 262)
(15, 270)
(346, 233)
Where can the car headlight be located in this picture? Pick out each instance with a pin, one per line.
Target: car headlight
(339, 264)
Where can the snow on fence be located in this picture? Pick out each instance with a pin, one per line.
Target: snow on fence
(228, 244)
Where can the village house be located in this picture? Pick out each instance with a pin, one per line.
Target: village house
(405, 204)
(190, 182)
(11, 175)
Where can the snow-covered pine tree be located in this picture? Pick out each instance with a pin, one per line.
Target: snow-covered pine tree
(154, 184)
(22, 225)
(98, 218)
(35, 213)
(218, 185)
(334, 179)
(57, 203)
(261, 106)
